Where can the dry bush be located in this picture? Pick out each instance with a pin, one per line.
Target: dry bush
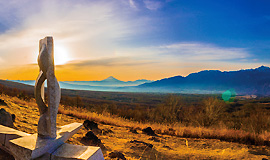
(169, 112)
(211, 113)
(258, 121)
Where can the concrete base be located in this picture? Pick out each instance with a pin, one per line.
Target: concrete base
(26, 146)
(33, 146)
(75, 152)
(7, 134)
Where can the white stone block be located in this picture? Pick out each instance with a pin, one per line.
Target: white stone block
(76, 152)
(33, 146)
(7, 133)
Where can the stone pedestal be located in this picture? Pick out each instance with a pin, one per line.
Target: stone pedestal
(7, 134)
(72, 152)
(24, 146)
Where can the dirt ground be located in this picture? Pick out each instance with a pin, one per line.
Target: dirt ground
(136, 146)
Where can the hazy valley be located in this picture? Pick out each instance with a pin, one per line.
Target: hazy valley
(194, 126)
(243, 82)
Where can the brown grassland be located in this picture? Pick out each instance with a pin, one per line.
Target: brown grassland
(173, 141)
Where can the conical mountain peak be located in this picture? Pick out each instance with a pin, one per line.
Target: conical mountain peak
(111, 79)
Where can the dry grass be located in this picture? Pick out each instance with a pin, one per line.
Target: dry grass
(170, 144)
(174, 129)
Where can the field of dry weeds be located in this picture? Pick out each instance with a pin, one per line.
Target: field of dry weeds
(115, 135)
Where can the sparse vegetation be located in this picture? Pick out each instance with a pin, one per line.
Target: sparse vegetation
(170, 143)
(182, 116)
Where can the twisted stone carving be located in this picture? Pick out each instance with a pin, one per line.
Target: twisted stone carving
(48, 114)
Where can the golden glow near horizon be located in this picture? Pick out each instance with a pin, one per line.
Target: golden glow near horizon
(97, 39)
(73, 72)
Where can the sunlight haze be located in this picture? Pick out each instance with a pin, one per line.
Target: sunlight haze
(133, 39)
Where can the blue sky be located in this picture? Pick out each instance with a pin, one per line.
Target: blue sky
(242, 24)
(133, 39)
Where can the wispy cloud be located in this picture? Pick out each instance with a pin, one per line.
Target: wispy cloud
(93, 30)
(191, 52)
(203, 52)
(132, 4)
(152, 4)
(89, 28)
(110, 62)
(13, 12)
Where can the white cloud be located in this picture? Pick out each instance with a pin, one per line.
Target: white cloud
(188, 52)
(88, 28)
(203, 52)
(152, 5)
(132, 4)
(91, 29)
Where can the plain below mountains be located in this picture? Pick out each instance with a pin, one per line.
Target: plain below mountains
(108, 84)
(250, 81)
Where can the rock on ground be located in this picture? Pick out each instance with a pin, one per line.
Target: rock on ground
(149, 131)
(6, 118)
(90, 125)
(117, 155)
(91, 139)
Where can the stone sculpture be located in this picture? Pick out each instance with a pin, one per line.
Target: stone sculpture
(49, 143)
(47, 120)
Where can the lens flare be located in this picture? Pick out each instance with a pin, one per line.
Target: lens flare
(228, 95)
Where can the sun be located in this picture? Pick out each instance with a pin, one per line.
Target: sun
(61, 55)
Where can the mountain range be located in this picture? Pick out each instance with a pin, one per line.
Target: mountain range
(108, 84)
(249, 81)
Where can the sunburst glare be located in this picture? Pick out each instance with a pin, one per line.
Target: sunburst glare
(61, 55)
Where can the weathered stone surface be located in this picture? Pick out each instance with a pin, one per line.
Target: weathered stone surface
(31, 146)
(34, 146)
(7, 133)
(47, 121)
(5, 118)
(74, 152)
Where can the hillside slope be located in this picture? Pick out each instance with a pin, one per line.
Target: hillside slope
(118, 138)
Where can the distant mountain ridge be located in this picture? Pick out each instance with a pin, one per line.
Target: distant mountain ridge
(249, 81)
(109, 83)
